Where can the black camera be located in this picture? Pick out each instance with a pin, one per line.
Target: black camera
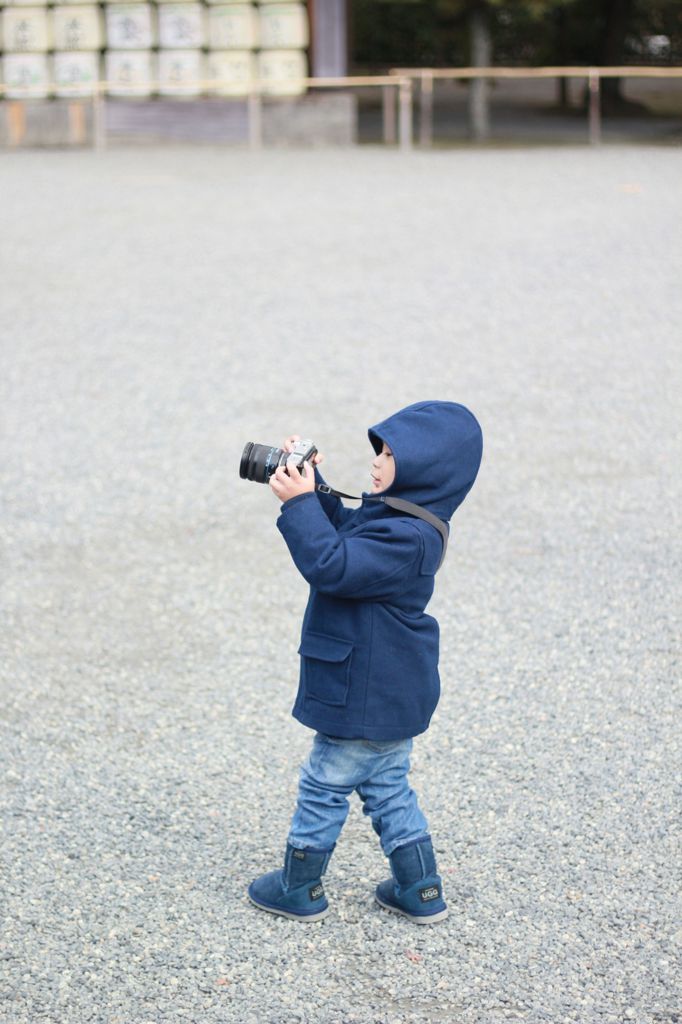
(259, 461)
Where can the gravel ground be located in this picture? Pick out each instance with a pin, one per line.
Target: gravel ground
(159, 309)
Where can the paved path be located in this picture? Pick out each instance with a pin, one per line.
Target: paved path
(159, 309)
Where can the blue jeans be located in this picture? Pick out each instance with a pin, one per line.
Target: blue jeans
(377, 771)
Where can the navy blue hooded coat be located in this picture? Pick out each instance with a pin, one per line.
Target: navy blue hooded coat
(369, 653)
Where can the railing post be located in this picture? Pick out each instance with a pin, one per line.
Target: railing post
(76, 116)
(16, 121)
(426, 108)
(255, 114)
(594, 106)
(99, 132)
(405, 94)
(388, 96)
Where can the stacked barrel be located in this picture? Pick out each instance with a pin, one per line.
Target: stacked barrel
(283, 39)
(25, 38)
(173, 47)
(78, 38)
(129, 61)
(70, 33)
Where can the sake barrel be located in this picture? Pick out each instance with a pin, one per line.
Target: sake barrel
(26, 30)
(280, 72)
(75, 74)
(181, 72)
(129, 26)
(77, 28)
(232, 70)
(129, 72)
(283, 26)
(232, 27)
(25, 76)
(181, 26)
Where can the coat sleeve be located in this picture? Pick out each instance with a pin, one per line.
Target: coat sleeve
(334, 507)
(372, 565)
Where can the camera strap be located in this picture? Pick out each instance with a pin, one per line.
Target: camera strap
(400, 505)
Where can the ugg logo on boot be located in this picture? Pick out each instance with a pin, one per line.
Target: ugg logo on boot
(432, 893)
(299, 854)
(316, 892)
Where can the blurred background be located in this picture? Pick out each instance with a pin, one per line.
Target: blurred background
(213, 248)
(184, 71)
(441, 33)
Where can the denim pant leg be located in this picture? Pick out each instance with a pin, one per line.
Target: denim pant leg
(378, 771)
(327, 779)
(389, 800)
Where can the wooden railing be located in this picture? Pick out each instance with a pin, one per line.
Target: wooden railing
(397, 95)
(399, 87)
(425, 77)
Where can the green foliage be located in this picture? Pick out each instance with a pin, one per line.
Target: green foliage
(388, 33)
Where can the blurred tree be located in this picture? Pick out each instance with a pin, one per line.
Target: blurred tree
(481, 56)
(448, 33)
(435, 33)
(482, 18)
(617, 32)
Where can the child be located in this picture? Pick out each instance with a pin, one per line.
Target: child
(369, 655)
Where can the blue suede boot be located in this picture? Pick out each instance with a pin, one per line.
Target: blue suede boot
(296, 890)
(416, 890)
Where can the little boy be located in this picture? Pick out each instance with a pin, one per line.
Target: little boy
(369, 655)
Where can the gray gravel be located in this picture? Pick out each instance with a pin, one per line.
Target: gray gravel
(159, 308)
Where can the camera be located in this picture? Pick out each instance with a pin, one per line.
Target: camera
(259, 461)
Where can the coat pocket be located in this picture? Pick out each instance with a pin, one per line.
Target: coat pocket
(326, 667)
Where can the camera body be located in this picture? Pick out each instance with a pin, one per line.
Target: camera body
(303, 451)
(259, 461)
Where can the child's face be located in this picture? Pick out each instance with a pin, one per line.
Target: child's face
(383, 469)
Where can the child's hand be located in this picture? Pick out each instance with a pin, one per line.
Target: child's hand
(288, 446)
(289, 483)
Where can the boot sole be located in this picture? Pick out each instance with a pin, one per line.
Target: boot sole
(418, 919)
(289, 914)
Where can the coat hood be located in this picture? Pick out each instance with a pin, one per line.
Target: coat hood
(437, 448)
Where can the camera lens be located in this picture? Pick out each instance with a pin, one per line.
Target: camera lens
(259, 461)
